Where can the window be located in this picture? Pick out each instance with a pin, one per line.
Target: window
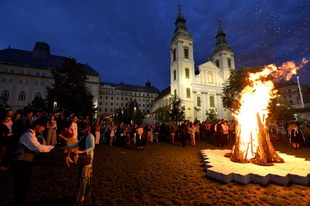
(106, 97)
(10, 80)
(51, 84)
(106, 103)
(36, 82)
(20, 81)
(38, 95)
(26, 81)
(116, 104)
(106, 110)
(22, 71)
(229, 63)
(28, 72)
(186, 53)
(174, 75)
(217, 63)
(5, 94)
(3, 79)
(198, 102)
(187, 73)
(99, 109)
(111, 103)
(43, 74)
(22, 96)
(188, 93)
(100, 97)
(210, 78)
(37, 73)
(100, 103)
(111, 98)
(174, 55)
(5, 70)
(211, 101)
(117, 98)
(121, 98)
(12, 71)
(111, 110)
(42, 83)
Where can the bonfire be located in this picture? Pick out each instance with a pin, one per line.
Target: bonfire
(252, 138)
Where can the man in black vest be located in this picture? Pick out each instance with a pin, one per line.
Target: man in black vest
(27, 147)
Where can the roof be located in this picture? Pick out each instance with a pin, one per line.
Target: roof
(164, 93)
(38, 58)
(129, 87)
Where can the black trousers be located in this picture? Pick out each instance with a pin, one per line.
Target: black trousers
(184, 139)
(21, 179)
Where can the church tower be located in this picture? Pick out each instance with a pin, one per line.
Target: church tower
(182, 70)
(223, 56)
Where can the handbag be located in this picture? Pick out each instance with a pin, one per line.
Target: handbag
(84, 159)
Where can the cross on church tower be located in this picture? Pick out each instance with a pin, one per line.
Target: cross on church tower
(219, 23)
(179, 7)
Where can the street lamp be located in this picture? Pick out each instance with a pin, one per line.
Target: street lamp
(122, 115)
(135, 108)
(300, 93)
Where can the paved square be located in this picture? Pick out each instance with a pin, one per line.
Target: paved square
(294, 169)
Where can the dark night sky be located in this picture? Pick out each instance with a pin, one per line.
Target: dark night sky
(129, 40)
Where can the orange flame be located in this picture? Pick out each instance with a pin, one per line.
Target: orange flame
(254, 100)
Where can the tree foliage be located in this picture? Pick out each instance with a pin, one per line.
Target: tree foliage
(162, 115)
(3, 107)
(176, 111)
(70, 90)
(135, 115)
(237, 80)
(37, 105)
(211, 114)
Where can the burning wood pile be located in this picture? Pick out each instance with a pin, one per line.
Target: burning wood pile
(252, 137)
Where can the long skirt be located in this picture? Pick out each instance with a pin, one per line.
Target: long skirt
(297, 136)
(84, 182)
(97, 136)
(51, 138)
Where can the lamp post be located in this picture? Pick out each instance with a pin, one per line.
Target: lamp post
(122, 115)
(135, 108)
(300, 93)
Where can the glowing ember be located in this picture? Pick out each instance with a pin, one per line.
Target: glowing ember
(252, 142)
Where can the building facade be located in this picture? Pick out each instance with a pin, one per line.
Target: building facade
(199, 90)
(25, 75)
(114, 97)
(290, 91)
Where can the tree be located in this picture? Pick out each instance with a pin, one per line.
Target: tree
(134, 112)
(280, 109)
(176, 111)
(234, 85)
(37, 105)
(162, 115)
(3, 107)
(70, 90)
(211, 114)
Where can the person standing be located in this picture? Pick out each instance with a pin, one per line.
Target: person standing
(97, 130)
(51, 136)
(173, 129)
(27, 121)
(184, 131)
(85, 145)
(111, 131)
(219, 131)
(5, 139)
(296, 136)
(67, 134)
(22, 163)
(224, 137)
(192, 131)
(306, 127)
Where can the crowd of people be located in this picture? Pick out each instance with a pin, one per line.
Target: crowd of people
(22, 137)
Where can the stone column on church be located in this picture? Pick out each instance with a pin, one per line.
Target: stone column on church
(220, 105)
(195, 104)
(204, 105)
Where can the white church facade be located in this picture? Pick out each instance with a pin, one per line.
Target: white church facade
(199, 90)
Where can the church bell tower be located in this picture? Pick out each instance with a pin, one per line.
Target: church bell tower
(182, 70)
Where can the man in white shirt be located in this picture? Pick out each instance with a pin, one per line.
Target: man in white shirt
(27, 147)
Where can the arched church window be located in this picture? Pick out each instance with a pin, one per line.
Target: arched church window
(211, 101)
(198, 101)
(174, 75)
(188, 93)
(186, 56)
(229, 63)
(187, 73)
(5, 95)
